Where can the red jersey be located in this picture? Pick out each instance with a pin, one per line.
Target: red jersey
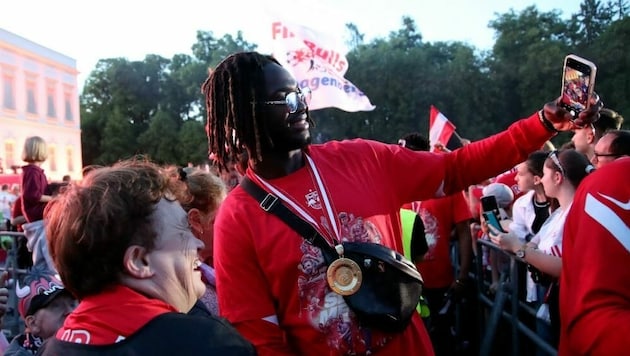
(271, 284)
(594, 285)
(439, 217)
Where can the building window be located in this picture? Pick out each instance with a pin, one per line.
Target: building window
(69, 159)
(50, 100)
(52, 162)
(9, 154)
(8, 97)
(68, 106)
(31, 104)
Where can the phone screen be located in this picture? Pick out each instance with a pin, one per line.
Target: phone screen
(492, 219)
(489, 203)
(577, 84)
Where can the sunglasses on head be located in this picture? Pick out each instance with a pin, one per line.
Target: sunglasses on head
(553, 155)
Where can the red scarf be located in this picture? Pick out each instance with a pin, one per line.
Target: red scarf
(111, 316)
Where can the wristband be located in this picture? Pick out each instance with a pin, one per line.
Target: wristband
(546, 123)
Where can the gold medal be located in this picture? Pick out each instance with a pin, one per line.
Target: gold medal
(344, 276)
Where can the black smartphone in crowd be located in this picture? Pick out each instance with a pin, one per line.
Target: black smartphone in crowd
(489, 203)
(578, 82)
(493, 220)
(491, 212)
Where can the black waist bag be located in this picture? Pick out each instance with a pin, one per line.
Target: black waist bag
(390, 288)
(391, 285)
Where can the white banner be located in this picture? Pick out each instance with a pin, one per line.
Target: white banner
(315, 60)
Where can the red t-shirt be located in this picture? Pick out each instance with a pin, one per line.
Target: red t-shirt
(439, 217)
(595, 281)
(267, 271)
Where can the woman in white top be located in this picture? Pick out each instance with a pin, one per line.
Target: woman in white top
(532, 209)
(562, 173)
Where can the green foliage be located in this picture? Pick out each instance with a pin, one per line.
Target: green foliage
(155, 106)
(151, 106)
(610, 53)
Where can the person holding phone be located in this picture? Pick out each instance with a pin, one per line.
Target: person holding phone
(562, 173)
(352, 190)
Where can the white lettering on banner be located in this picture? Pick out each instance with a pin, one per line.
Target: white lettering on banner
(311, 56)
(316, 47)
(614, 224)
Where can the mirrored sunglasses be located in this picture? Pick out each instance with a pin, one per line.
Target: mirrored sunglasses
(293, 99)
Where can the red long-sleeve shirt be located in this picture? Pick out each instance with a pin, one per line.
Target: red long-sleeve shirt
(271, 284)
(595, 280)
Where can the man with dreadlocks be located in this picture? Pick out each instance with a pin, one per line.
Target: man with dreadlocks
(271, 283)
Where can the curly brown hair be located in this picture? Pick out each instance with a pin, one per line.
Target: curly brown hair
(90, 226)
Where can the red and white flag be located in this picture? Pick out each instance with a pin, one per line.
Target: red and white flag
(317, 62)
(440, 129)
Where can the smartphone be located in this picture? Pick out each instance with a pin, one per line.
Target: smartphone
(578, 82)
(493, 220)
(489, 203)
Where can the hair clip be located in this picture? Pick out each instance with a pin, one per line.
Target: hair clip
(589, 169)
(182, 174)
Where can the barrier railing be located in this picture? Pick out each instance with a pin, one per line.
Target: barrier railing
(12, 322)
(505, 305)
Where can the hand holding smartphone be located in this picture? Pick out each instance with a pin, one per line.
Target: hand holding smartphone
(489, 203)
(578, 83)
(492, 220)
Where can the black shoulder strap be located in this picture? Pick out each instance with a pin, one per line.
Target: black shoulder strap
(272, 204)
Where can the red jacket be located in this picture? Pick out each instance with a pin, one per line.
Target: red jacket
(595, 280)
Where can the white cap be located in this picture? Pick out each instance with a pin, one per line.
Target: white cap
(501, 192)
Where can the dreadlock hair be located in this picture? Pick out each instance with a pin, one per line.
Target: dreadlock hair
(231, 93)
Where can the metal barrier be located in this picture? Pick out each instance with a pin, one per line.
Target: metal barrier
(498, 308)
(12, 323)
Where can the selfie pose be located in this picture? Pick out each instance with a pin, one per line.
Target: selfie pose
(273, 285)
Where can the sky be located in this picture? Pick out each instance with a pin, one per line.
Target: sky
(88, 30)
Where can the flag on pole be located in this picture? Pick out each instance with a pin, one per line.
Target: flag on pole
(317, 62)
(440, 129)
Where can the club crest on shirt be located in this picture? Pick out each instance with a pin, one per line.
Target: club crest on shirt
(312, 200)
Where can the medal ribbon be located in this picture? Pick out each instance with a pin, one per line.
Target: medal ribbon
(306, 216)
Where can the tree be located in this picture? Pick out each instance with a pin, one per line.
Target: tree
(158, 140)
(211, 51)
(529, 50)
(592, 20)
(610, 54)
(192, 143)
(355, 37)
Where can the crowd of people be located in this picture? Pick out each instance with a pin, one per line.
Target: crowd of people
(140, 258)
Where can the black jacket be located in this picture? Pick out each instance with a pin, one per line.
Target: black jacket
(167, 334)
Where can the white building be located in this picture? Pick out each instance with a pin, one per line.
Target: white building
(39, 97)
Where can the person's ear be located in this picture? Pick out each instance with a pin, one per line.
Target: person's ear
(537, 180)
(194, 219)
(590, 137)
(136, 262)
(31, 323)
